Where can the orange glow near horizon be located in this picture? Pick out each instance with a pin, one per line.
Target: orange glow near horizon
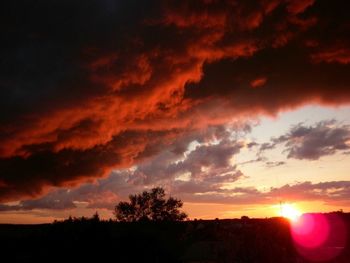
(290, 212)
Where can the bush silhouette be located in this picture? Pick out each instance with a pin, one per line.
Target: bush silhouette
(150, 206)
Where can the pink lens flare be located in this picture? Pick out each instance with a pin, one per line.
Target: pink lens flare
(310, 231)
(319, 237)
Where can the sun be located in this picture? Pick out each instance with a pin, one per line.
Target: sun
(289, 211)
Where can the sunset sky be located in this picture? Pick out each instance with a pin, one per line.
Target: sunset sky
(232, 106)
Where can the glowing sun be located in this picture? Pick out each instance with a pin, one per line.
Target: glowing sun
(290, 212)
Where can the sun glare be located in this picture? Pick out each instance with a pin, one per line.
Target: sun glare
(290, 212)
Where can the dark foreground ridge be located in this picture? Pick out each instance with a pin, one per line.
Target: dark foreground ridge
(234, 240)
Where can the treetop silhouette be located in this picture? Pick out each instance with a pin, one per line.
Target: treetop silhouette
(150, 206)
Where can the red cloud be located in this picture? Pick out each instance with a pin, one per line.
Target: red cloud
(335, 55)
(84, 94)
(298, 6)
(256, 83)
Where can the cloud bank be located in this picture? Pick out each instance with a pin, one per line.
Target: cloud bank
(312, 142)
(94, 86)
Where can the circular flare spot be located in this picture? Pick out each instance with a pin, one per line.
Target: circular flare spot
(318, 237)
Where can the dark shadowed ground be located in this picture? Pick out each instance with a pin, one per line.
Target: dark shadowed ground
(83, 240)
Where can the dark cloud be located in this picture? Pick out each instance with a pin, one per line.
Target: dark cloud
(30, 176)
(252, 144)
(256, 160)
(56, 200)
(331, 193)
(274, 164)
(290, 72)
(104, 193)
(266, 146)
(313, 142)
(5, 208)
(88, 87)
(207, 167)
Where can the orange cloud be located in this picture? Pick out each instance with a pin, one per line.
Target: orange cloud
(256, 83)
(336, 55)
(110, 86)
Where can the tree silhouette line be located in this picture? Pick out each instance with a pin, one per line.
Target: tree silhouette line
(150, 206)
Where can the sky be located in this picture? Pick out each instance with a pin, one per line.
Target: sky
(232, 106)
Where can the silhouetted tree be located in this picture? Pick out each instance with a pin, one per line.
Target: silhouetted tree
(96, 217)
(150, 206)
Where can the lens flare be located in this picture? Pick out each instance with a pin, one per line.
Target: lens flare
(310, 230)
(319, 237)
